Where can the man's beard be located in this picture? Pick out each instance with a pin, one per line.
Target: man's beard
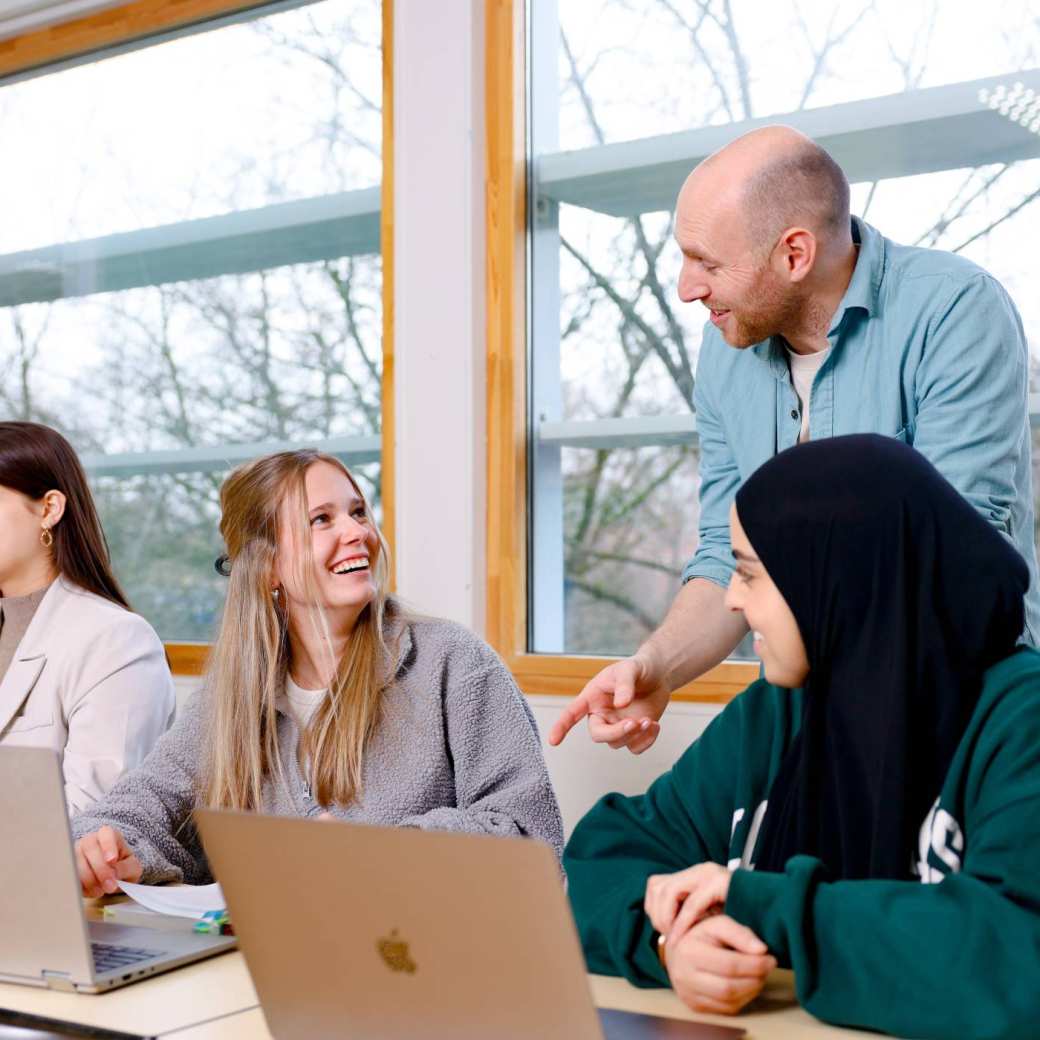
(776, 308)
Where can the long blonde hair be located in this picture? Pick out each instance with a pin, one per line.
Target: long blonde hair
(250, 658)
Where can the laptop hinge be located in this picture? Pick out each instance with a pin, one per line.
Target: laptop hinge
(59, 980)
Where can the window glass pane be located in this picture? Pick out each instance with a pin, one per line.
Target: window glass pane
(626, 96)
(200, 280)
(633, 68)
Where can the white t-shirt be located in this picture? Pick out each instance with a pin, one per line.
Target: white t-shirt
(301, 704)
(803, 371)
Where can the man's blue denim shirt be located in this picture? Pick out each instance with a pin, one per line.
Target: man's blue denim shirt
(926, 347)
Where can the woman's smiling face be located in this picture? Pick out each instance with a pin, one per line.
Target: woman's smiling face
(778, 640)
(344, 543)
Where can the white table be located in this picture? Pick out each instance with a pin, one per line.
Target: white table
(215, 1000)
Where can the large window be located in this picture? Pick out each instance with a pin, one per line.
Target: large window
(190, 273)
(930, 108)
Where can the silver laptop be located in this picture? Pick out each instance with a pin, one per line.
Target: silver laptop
(45, 939)
(401, 933)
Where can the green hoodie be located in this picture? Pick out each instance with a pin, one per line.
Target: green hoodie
(956, 954)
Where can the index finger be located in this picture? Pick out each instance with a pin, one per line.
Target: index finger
(113, 847)
(104, 872)
(694, 907)
(569, 718)
(87, 878)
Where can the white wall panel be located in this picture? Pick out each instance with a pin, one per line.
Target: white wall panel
(582, 772)
(439, 309)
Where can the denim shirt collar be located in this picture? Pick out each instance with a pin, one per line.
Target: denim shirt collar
(862, 294)
(865, 284)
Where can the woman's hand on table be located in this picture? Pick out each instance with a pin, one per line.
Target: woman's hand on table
(102, 859)
(718, 966)
(676, 902)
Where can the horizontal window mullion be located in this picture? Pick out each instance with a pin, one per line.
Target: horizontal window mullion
(641, 431)
(919, 131)
(353, 450)
(326, 227)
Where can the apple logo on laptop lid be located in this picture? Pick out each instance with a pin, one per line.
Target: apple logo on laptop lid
(394, 952)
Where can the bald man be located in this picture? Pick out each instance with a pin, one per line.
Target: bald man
(819, 326)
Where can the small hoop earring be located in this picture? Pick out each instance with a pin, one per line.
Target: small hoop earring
(46, 538)
(274, 593)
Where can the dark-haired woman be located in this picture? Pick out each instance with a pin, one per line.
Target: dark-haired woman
(79, 671)
(869, 812)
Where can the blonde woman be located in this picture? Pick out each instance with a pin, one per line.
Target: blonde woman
(323, 695)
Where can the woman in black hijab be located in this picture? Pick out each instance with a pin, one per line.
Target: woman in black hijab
(894, 741)
(904, 596)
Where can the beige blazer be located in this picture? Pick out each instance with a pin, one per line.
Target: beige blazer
(90, 680)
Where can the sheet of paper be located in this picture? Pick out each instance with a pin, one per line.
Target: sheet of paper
(178, 900)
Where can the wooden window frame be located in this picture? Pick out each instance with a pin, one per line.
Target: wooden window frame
(507, 592)
(141, 19)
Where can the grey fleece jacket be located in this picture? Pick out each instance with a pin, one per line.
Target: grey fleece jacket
(456, 750)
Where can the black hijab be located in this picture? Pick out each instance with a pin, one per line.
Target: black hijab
(904, 596)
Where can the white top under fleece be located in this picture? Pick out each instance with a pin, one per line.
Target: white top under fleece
(301, 704)
(803, 371)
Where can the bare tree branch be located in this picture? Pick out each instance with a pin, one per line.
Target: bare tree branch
(614, 598)
(946, 218)
(831, 41)
(680, 370)
(694, 32)
(1000, 220)
(634, 561)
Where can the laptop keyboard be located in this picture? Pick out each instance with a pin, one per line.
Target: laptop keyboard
(111, 958)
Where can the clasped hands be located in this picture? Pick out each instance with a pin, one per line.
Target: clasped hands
(716, 965)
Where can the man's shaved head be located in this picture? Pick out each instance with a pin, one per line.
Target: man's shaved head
(799, 185)
(780, 178)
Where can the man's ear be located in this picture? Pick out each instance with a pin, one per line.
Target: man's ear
(795, 253)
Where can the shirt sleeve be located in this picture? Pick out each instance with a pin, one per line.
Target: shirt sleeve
(127, 703)
(502, 785)
(151, 806)
(719, 478)
(944, 961)
(972, 396)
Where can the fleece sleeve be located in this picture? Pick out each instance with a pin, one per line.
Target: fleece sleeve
(502, 785)
(152, 805)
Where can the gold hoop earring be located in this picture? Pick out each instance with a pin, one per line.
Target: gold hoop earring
(46, 538)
